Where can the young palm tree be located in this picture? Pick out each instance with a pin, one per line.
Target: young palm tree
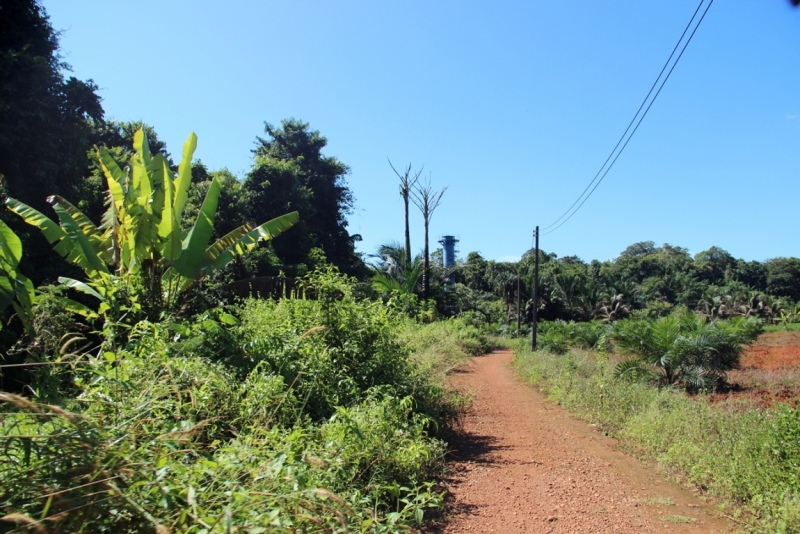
(683, 350)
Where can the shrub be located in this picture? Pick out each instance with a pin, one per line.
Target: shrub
(682, 349)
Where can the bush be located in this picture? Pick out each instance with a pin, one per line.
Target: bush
(682, 349)
(558, 337)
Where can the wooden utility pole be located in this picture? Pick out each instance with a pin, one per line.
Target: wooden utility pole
(535, 289)
(518, 297)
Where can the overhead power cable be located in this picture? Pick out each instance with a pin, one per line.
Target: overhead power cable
(601, 173)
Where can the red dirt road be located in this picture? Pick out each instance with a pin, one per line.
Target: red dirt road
(524, 465)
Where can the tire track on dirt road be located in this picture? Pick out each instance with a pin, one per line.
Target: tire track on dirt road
(523, 464)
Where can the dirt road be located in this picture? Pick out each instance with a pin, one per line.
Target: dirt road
(524, 465)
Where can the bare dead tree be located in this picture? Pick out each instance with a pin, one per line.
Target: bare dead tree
(427, 200)
(407, 182)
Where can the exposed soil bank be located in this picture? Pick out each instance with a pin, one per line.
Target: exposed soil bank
(523, 464)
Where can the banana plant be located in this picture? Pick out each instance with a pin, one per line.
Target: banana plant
(140, 245)
(15, 289)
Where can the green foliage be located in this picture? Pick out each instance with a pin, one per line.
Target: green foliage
(682, 349)
(560, 336)
(292, 173)
(15, 289)
(333, 349)
(302, 416)
(746, 456)
(141, 249)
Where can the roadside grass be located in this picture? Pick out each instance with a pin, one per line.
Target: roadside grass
(292, 416)
(789, 327)
(748, 457)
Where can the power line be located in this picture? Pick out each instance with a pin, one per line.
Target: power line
(694, 15)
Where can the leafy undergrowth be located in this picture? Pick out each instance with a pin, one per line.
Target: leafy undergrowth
(299, 416)
(746, 456)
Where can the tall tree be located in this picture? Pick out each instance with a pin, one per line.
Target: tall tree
(46, 122)
(291, 172)
(427, 200)
(407, 182)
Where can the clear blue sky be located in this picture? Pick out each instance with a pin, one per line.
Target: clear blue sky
(513, 105)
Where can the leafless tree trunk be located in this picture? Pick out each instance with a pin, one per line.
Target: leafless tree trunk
(407, 182)
(427, 200)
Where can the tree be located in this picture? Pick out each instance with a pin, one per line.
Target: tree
(783, 277)
(393, 272)
(291, 173)
(46, 120)
(407, 182)
(712, 264)
(427, 200)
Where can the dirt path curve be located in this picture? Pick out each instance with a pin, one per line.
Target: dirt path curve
(524, 465)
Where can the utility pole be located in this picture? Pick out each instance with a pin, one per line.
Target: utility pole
(518, 297)
(535, 289)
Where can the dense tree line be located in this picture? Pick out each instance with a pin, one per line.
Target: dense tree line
(51, 124)
(644, 276)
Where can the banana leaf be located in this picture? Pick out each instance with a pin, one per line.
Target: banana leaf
(169, 229)
(82, 253)
(246, 242)
(79, 286)
(184, 179)
(196, 241)
(10, 246)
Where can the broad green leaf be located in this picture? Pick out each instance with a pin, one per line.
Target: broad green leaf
(115, 177)
(194, 245)
(111, 228)
(184, 179)
(82, 253)
(51, 231)
(10, 245)
(384, 283)
(264, 232)
(140, 160)
(79, 286)
(77, 308)
(25, 318)
(227, 240)
(7, 292)
(169, 228)
(88, 228)
(23, 288)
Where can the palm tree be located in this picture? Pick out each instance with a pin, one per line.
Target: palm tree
(393, 273)
(407, 182)
(427, 200)
(682, 350)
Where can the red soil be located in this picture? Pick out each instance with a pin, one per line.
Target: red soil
(774, 350)
(523, 464)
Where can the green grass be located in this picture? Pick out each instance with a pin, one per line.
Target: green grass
(791, 327)
(299, 416)
(677, 519)
(747, 457)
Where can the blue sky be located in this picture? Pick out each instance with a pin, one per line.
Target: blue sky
(513, 105)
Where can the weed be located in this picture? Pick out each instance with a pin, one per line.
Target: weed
(677, 519)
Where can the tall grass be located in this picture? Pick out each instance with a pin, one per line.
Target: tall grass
(297, 416)
(747, 456)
